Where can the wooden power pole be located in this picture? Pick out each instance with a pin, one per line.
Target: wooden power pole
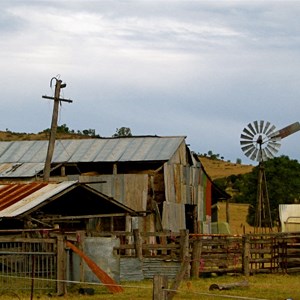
(58, 86)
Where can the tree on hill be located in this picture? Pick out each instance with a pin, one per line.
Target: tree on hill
(283, 182)
(123, 131)
(64, 129)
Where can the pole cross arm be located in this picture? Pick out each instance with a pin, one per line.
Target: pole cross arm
(59, 99)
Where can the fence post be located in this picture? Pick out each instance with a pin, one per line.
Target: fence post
(246, 255)
(184, 243)
(160, 283)
(197, 249)
(184, 248)
(138, 244)
(179, 277)
(61, 265)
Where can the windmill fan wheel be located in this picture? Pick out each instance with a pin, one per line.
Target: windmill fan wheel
(259, 141)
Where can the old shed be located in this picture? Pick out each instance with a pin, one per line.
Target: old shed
(156, 182)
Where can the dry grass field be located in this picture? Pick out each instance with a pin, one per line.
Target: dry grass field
(237, 217)
(260, 287)
(237, 211)
(219, 168)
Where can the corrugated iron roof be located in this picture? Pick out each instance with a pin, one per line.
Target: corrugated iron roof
(16, 199)
(20, 169)
(92, 150)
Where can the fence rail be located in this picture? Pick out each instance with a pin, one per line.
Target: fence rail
(26, 262)
(42, 261)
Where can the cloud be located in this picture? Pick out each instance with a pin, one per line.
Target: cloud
(203, 69)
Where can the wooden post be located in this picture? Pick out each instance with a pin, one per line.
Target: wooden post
(227, 211)
(61, 266)
(138, 244)
(184, 248)
(164, 242)
(246, 255)
(160, 283)
(184, 268)
(58, 86)
(197, 249)
(184, 243)
(80, 237)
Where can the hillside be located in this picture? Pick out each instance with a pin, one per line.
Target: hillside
(16, 136)
(218, 168)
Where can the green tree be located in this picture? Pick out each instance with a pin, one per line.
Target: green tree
(283, 183)
(123, 131)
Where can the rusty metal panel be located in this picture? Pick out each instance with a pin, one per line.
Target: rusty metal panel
(33, 195)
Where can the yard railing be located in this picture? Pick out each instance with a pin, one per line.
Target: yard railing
(27, 263)
(42, 263)
(247, 254)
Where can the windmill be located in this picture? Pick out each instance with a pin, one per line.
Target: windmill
(260, 141)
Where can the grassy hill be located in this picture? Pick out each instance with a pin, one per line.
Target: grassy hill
(216, 168)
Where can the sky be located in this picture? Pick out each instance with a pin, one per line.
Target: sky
(200, 69)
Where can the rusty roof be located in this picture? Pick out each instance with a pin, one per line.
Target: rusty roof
(18, 198)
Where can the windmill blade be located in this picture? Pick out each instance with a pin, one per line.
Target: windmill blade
(261, 126)
(271, 129)
(286, 131)
(264, 156)
(248, 132)
(269, 153)
(274, 147)
(266, 127)
(248, 147)
(246, 137)
(250, 151)
(254, 154)
(246, 143)
(256, 126)
(251, 128)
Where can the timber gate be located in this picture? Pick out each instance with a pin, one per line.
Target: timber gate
(27, 263)
(271, 253)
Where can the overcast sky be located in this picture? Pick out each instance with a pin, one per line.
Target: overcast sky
(202, 69)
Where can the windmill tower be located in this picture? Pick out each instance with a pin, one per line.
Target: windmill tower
(260, 142)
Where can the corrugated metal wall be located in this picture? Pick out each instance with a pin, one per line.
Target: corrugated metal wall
(289, 215)
(129, 189)
(185, 184)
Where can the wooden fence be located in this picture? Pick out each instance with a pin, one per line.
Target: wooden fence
(42, 261)
(247, 254)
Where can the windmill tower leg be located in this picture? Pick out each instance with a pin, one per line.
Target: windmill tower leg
(263, 219)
